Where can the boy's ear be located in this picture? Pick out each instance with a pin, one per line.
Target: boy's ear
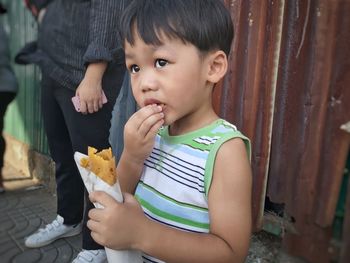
(217, 66)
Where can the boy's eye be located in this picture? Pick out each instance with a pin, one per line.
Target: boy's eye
(134, 68)
(159, 63)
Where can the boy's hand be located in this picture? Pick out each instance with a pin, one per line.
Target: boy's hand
(140, 131)
(90, 89)
(117, 225)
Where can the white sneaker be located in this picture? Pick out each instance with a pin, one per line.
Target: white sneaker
(52, 232)
(91, 256)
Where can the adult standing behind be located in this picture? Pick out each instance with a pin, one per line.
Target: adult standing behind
(79, 54)
(8, 89)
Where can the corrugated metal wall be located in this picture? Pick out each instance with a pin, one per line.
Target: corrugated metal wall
(23, 119)
(312, 103)
(288, 90)
(247, 95)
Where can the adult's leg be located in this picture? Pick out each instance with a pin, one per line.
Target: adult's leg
(70, 188)
(90, 130)
(5, 99)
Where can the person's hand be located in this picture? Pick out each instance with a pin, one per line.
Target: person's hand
(140, 132)
(117, 225)
(90, 89)
(90, 94)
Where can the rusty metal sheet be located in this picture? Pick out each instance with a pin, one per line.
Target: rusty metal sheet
(337, 141)
(295, 104)
(301, 107)
(313, 245)
(308, 149)
(245, 97)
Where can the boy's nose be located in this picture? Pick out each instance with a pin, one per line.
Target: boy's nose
(148, 82)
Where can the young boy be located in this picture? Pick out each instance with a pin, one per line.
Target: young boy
(187, 168)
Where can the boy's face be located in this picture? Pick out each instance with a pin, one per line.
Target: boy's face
(173, 75)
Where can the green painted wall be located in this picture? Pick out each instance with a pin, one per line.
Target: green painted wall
(23, 118)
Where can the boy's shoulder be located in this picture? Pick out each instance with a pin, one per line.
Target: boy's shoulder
(227, 126)
(223, 128)
(207, 137)
(226, 131)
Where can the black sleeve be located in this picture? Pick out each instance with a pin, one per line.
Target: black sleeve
(103, 36)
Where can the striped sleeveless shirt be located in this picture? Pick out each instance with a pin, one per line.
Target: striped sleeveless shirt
(176, 179)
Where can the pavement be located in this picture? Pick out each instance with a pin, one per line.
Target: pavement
(26, 206)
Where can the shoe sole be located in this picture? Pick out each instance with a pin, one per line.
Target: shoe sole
(70, 234)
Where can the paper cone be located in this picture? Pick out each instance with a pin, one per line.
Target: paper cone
(94, 183)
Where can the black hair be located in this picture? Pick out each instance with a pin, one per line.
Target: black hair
(206, 24)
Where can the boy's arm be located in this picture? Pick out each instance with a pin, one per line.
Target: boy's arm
(230, 217)
(230, 198)
(139, 134)
(129, 173)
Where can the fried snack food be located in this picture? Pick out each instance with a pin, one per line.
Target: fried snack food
(102, 164)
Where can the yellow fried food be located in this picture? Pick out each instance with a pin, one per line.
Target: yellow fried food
(102, 164)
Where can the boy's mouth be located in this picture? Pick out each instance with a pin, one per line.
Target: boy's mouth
(153, 101)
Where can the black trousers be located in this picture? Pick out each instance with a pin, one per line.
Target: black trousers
(5, 100)
(69, 131)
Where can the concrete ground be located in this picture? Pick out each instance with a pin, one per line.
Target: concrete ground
(27, 205)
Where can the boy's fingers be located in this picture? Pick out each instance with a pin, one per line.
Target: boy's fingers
(141, 115)
(154, 129)
(102, 198)
(97, 237)
(92, 225)
(96, 214)
(148, 125)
